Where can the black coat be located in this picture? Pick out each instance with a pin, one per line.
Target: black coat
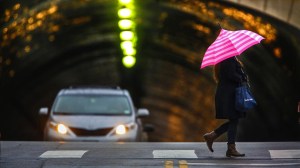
(230, 77)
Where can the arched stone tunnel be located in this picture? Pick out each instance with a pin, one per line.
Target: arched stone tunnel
(49, 45)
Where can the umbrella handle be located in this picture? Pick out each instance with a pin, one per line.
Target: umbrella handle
(220, 25)
(220, 21)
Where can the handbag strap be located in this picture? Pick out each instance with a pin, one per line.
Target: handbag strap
(244, 75)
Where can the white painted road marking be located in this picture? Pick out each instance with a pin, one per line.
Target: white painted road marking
(63, 154)
(285, 154)
(245, 164)
(174, 154)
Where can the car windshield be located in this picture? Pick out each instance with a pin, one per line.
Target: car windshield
(92, 105)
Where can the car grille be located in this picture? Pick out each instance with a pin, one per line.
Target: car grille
(85, 132)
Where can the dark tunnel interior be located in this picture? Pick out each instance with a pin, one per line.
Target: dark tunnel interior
(47, 45)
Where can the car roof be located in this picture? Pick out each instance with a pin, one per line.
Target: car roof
(93, 91)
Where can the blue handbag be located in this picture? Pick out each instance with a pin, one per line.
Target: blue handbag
(244, 100)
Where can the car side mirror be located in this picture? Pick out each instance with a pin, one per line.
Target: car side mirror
(142, 112)
(43, 111)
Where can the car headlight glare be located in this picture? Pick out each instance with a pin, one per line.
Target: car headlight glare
(62, 129)
(121, 130)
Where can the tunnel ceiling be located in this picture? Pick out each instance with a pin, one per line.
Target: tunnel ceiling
(49, 45)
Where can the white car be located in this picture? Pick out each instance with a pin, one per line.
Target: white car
(94, 114)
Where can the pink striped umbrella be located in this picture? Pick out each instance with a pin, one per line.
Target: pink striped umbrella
(229, 44)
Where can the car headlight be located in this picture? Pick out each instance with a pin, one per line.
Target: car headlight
(61, 128)
(124, 128)
(121, 129)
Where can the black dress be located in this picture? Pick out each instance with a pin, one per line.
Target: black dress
(230, 77)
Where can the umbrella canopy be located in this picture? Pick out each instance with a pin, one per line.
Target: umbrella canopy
(229, 44)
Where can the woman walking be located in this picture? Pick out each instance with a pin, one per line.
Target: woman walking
(228, 75)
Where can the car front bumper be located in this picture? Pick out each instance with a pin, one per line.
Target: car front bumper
(53, 135)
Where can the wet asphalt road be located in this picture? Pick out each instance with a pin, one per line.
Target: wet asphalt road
(16, 154)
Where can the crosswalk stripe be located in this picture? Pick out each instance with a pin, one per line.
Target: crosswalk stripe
(174, 154)
(63, 154)
(285, 154)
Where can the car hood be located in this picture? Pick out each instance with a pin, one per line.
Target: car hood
(92, 122)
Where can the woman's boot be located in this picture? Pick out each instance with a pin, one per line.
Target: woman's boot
(232, 152)
(209, 138)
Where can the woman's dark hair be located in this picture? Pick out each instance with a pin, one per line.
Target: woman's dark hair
(217, 70)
